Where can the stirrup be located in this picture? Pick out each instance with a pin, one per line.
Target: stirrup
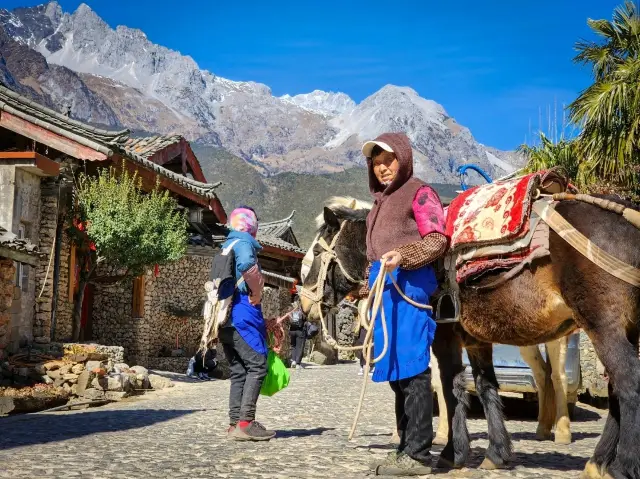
(449, 311)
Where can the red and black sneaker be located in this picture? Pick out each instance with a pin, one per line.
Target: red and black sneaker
(253, 431)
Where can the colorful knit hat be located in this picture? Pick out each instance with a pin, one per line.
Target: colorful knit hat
(244, 220)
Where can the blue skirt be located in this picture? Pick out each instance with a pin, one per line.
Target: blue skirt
(249, 322)
(410, 329)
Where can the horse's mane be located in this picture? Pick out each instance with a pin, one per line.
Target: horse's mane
(346, 214)
(336, 202)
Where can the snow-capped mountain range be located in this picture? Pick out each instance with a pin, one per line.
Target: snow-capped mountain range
(117, 77)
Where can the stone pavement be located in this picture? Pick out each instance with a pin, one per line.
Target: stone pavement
(180, 433)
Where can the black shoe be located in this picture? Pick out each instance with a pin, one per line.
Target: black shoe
(253, 432)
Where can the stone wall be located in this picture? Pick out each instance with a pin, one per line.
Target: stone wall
(172, 322)
(64, 307)
(26, 215)
(592, 370)
(345, 321)
(173, 305)
(44, 271)
(7, 272)
(112, 321)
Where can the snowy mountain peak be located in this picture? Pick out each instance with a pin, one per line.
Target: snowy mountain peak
(322, 102)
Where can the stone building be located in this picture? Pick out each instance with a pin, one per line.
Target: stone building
(41, 151)
(17, 257)
(153, 316)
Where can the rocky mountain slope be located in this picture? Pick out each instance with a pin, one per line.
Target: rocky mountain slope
(117, 77)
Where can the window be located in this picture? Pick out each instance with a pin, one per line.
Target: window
(22, 270)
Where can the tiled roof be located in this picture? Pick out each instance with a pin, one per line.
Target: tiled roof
(277, 228)
(278, 243)
(104, 141)
(148, 146)
(9, 240)
(272, 234)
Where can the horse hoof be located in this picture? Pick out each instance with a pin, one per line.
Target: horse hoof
(440, 440)
(563, 438)
(444, 463)
(592, 471)
(489, 465)
(543, 434)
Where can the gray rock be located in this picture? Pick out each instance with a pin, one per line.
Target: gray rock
(84, 379)
(72, 378)
(93, 394)
(47, 379)
(116, 395)
(6, 405)
(54, 374)
(77, 368)
(120, 367)
(140, 370)
(159, 382)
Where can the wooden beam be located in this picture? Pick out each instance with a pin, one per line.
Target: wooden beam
(46, 137)
(19, 256)
(46, 166)
(281, 252)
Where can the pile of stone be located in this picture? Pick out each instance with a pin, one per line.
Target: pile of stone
(81, 375)
(94, 378)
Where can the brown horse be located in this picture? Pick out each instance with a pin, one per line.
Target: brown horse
(551, 299)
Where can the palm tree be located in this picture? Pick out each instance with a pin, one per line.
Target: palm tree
(564, 154)
(609, 110)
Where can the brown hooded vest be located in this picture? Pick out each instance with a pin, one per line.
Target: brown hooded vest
(391, 222)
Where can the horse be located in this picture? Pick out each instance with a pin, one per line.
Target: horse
(550, 376)
(555, 296)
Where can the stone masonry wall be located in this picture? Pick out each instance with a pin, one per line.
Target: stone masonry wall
(64, 307)
(592, 370)
(7, 272)
(44, 271)
(112, 321)
(173, 305)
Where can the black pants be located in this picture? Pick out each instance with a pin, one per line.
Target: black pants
(414, 415)
(360, 342)
(248, 370)
(298, 338)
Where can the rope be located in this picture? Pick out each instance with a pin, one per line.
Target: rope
(373, 306)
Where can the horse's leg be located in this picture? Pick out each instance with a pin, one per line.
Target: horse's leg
(500, 447)
(447, 348)
(619, 355)
(546, 396)
(605, 451)
(557, 354)
(442, 434)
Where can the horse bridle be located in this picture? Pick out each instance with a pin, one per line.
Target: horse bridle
(328, 256)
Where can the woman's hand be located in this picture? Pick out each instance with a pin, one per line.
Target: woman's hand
(255, 300)
(393, 260)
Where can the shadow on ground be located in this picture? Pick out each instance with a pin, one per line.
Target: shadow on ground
(28, 430)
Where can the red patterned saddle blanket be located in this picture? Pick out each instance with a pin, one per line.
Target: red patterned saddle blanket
(492, 227)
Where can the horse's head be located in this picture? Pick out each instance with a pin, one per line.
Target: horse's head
(339, 259)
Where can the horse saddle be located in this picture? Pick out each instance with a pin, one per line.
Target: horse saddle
(493, 229)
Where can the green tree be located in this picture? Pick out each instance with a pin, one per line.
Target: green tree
(119, 230)
(564, 154)
(608, 111)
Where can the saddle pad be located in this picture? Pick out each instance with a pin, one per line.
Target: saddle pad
(521, 250)
(495, 213)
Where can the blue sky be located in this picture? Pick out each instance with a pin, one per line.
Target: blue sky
(491, 64)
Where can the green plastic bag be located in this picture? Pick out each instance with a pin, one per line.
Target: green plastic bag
(277, 374)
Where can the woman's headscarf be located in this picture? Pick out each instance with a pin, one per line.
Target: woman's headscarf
(244, 220)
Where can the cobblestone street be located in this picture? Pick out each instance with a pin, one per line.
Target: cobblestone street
(180, 432)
